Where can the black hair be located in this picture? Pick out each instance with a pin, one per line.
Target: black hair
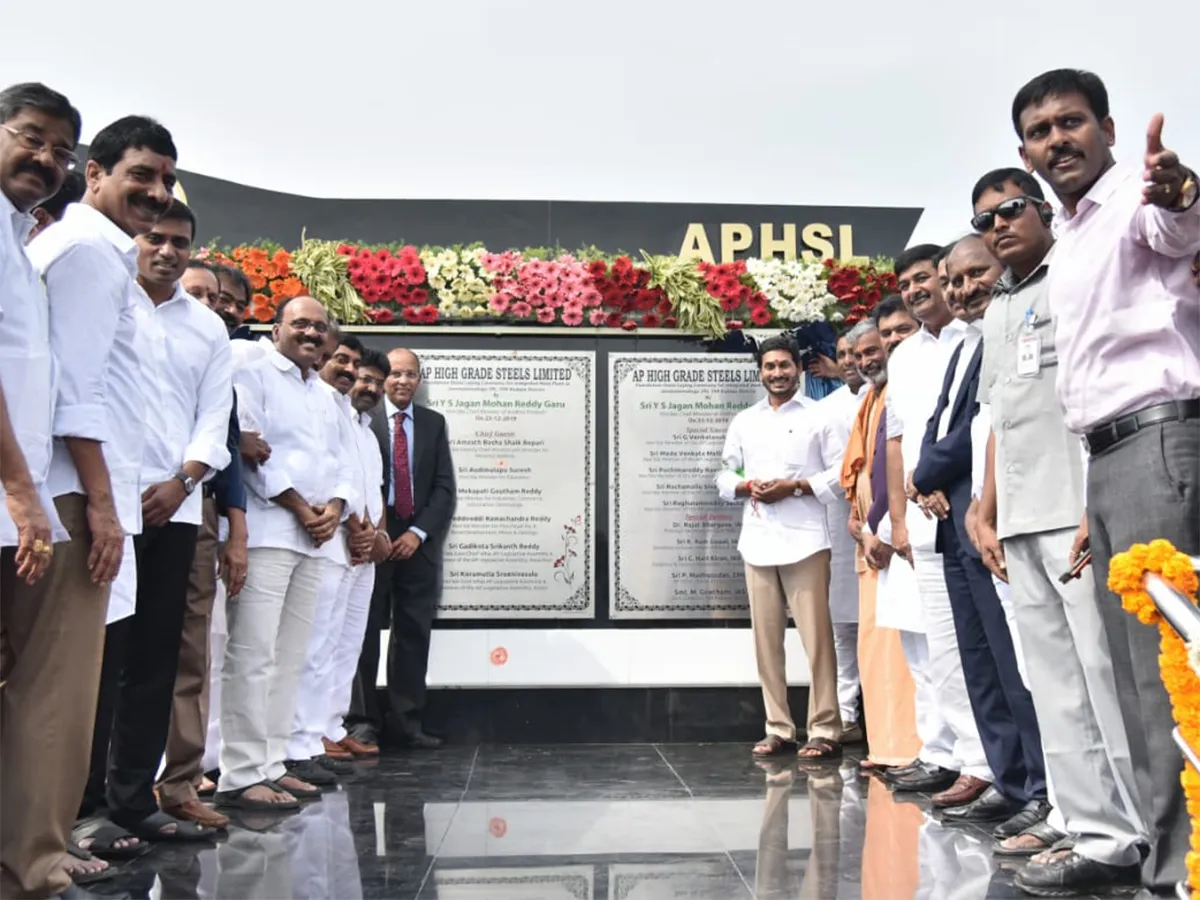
(73, 186)
(200, 264)
(914, 255)
(374, 359)
(350, 342)
(34, 95)
(996, 179)
(236, 275)
(778, 342)
(888, 306)
(944, 253)
(1059, 83)
(130, 133)
(178, 211)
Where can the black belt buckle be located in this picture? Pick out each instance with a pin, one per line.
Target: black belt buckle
(1104, 437)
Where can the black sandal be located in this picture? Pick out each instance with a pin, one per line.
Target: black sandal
(238, 799)
(772, 745)
(82, 878)
(104, 835)
(150, 829)
(826, 749)
(1048, 835)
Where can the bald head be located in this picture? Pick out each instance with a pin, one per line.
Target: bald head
(401, 385)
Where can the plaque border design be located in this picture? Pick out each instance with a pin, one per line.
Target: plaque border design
(582, 603)
(575, 884)
(623, 603)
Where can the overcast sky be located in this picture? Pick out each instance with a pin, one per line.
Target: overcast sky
(872, 103)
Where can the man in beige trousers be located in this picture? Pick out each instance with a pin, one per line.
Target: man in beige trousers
(782, 462)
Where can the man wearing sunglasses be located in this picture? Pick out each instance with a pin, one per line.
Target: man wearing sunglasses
(1032, 500)
(1128, 339)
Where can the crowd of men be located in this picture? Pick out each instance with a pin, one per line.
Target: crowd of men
(203, 534)
(1031, 396)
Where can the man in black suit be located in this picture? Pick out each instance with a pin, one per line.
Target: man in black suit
(1000, 701)
(420, 496)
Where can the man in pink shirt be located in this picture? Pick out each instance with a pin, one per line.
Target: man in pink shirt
(1126, 312)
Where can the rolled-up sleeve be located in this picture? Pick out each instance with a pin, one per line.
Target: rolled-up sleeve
(87, 294)
(210, 433)
(732, 463)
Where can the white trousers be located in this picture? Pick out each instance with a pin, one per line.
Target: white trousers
(216, 658)
(845, 647)
(269, 624)
(329, 667)
(945, 721)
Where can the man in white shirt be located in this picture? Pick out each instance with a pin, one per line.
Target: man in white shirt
(294, 505)
(1126, 310)
(53, 636)
(186, 379)
(843, 578)
(88, 262)
(952, 758)
(782, 461)
(345, 593)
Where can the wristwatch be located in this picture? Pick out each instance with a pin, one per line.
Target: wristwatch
(1188, 192)
(189, 483)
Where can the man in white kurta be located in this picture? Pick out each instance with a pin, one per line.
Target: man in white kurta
(782, 462)
(843, 405)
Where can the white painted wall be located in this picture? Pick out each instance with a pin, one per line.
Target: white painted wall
(765, 101)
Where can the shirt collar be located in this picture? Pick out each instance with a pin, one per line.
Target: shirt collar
(176, 295)
(798, 399)
(1104, 188)
(1008, 281)
(22, 223)
(90, 217)
(391, 409)
(285, 365)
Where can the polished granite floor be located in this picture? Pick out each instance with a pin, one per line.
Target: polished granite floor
(591, 822)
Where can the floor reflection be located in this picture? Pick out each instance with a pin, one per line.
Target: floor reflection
(627, 822)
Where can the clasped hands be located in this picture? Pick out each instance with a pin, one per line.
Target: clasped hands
(775, 489)
(367, 543)
(321, 521)
(933, 504)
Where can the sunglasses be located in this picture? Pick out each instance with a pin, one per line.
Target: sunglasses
(1008, 210)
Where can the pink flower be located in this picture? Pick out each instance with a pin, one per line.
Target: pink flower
(545, 315)
(597, 317)
(572, 315)
(521, 309)
(500, 302)
(592, 297)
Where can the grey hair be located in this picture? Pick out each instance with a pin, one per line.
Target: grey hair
(861, 330)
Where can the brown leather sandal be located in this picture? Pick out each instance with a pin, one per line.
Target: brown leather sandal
(773, 745)
(825, 749)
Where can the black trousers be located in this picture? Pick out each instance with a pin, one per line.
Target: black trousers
(1002, 705)
(137, 682)
(405, 600)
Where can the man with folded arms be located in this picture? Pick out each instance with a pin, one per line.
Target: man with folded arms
(295, 503)
(1127, 329)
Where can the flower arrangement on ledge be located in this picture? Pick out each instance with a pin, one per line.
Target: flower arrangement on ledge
(541, 286)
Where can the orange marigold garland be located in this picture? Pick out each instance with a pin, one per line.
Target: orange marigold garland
(1125, 577)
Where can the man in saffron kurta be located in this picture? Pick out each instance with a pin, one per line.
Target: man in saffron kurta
(887, 686)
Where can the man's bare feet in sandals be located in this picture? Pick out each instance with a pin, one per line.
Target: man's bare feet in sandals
(772, 745)
(293, 784)
(260, 793)
(820, 748)
(206, 785)
(82, 870)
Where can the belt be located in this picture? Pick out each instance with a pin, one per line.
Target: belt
(1100, 439)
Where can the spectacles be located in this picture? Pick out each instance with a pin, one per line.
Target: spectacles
(305, 325)
(31, 140)
(1007, 210)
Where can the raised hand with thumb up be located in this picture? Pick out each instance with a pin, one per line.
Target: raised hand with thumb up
(1164, 176)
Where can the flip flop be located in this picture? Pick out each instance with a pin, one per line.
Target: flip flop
(150, 829)
(298, 793)
(774, 746)
(826, 749)
(82, 878)
(1049, 836)
(238, 800)
(104, 835)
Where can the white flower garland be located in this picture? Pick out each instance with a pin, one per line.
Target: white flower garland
(796, 289)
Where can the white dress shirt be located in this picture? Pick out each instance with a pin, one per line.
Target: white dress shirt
(27, 370)
(916, 371)
(981, 428)
(796, 441)
(391, 411)
(842, 405)
(245, 352)
(1126, 308)
(302, 423)
(972, 335)
(88, 265)
(371, 462)
(187, 370)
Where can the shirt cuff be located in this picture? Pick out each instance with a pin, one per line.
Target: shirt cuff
(419, 533)
(727, 483)
(215, 456)
(86, 420)
(274, 480)
(820, 489)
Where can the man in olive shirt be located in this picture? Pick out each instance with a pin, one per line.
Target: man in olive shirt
(1033, 495)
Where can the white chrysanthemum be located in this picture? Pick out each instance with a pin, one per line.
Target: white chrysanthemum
(459, 280)
(796, 289)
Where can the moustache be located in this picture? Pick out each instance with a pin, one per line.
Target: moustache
(1064, 153)
(149, 204)
(48, 176)
(315, 342)
(976, 296)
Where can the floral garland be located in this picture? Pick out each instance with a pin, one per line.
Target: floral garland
(429, 285)
(1125, 577)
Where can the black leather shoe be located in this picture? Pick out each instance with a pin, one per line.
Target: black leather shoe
(932, 780)
(307, 770)
(992, 806)
(1035, 811)
(421, 740)
(1073, 874)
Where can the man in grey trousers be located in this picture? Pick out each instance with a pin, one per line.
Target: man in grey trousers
(1033, 499)
(1127, 331)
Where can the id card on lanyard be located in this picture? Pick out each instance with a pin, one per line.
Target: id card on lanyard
(1029, 348)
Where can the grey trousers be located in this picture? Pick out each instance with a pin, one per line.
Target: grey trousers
(1070, 675)
(1145, 487)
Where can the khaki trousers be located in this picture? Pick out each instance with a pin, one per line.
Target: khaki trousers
(803, 589)
(51, 648)
(189, 710)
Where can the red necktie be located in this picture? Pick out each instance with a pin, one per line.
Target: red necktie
(402, 485)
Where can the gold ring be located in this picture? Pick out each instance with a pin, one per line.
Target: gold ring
(39, 546)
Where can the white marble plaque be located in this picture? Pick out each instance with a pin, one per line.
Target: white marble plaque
(673, 541)
(541, 883)
(521, 435)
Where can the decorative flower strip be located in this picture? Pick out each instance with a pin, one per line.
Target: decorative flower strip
(1125, 577)
(537, 286)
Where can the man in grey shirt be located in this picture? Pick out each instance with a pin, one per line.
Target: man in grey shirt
(1033, 497)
